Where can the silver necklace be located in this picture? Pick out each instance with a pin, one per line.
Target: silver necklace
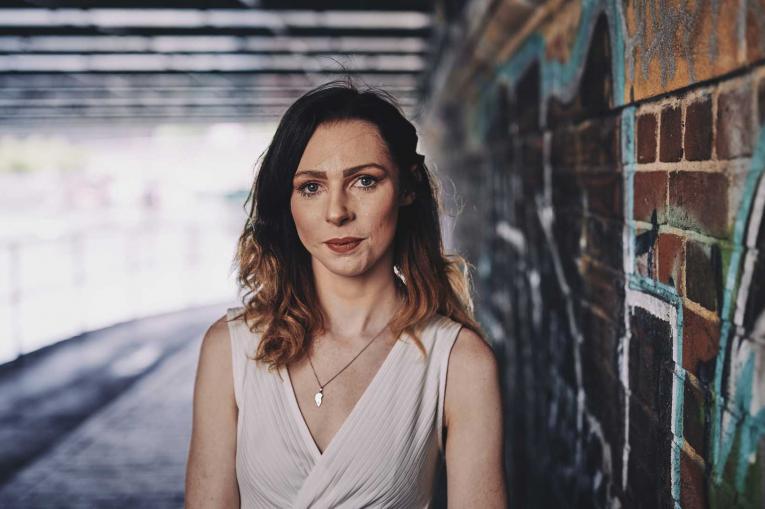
(320, 395)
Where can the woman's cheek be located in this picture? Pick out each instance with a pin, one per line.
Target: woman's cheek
(385, 228)
(302, 220)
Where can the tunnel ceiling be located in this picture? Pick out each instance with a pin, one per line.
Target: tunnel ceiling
(126, 61)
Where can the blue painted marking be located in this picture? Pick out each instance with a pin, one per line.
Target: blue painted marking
(723, 439)
(559, 80)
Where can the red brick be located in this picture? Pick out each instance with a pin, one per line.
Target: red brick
(600, 384)
(599, 143)
(698, 130)
(604, 193)
(650, 350)
(602, 287)
(604, 241)
(699, 200)
(701, 340)
(734, 123)
(644, 243)
(755, 34)
(694, 416)
(693, 491)
(565, 146)
(671, 134)
(599, 342)
(670, 260)
(650, 194)
(703, 274)
(646, 138)
(566, 192)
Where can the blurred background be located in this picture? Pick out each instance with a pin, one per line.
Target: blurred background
(130, 136)
(130, 133)
(601, 165)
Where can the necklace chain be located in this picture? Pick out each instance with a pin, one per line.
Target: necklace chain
(321, 386)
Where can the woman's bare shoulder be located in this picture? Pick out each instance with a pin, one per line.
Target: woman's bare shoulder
(210, 471)
(218, 330)
(215, 353)
(475, 441)
(473, 353)
(218, 334)
(472, 375)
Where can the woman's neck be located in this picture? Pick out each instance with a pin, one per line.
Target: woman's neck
(355, 308)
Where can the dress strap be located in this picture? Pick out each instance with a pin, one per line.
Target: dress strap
(447, 335)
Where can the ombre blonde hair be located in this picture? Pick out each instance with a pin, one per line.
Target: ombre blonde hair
(274, 268)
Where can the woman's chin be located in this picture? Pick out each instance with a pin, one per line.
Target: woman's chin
(345, 267)
(346, 271)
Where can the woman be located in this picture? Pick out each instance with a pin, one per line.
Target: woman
(355, 363)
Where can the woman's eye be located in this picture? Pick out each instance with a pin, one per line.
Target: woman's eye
(307, 188)
(310, 189)
(367, 181)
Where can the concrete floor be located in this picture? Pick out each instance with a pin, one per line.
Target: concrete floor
(103, 421)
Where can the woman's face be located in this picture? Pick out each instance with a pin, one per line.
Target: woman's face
(346, 186)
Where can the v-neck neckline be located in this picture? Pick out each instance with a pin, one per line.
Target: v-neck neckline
(300, 419)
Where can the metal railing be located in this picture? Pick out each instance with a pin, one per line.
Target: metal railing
(55, 287)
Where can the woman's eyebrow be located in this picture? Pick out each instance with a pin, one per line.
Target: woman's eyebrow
(346, 173)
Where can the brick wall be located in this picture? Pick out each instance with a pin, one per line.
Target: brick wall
(609, 156)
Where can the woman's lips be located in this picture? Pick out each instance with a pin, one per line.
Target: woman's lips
(343, 247)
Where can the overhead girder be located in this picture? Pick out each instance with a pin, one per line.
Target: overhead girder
(190, 62)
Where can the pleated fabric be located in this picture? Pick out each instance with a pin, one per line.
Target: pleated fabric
(386, 453)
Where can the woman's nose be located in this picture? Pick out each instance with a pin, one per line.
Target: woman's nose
(338, 209)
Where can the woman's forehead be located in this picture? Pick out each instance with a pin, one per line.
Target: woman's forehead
(341, 145)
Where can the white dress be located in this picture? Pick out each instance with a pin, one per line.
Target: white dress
(385, 454)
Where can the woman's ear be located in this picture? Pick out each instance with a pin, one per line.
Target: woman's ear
(406, 197)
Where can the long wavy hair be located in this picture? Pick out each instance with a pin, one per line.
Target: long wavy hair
(274, 268)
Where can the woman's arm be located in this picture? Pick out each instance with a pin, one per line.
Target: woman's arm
(210, 471)
(473, 416)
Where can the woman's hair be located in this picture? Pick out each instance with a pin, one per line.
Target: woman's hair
(274, 268)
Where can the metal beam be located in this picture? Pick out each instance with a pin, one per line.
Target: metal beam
(10, 117)
(27, 98)
(56, 97)
(138, 65)
(213, 19)
(234, 62)
(218, 79)
(210, 44)
(153, 98)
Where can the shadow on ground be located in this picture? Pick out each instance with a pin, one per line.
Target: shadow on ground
(103, 419)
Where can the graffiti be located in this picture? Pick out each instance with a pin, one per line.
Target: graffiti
(674, 43)
(752, 27)
(743, 392)
(590, 281)
(654, 37)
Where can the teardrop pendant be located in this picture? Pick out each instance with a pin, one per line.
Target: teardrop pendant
(317, 397)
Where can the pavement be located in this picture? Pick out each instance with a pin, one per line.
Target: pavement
(103, 420)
